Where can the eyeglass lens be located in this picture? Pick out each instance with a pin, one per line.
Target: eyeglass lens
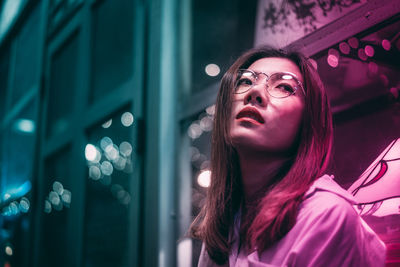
(278, 84)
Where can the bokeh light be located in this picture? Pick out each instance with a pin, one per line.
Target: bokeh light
(362, 55)
(194, 130)
(54, 198)
(333, 61)
(106, 168)
(369, 51)
(195, 153)
(107, 124)
(24, 205)
(13, 208)
(90, 152)
(112, 152)
(210, 110)
(344, 48)
(212, 70)
(66, 198)
(373, 67)
(313, 63)
(386, 44)
(125, 148)
(105, 142)
(94, 172)
(24, 125)
(206, 123)
(395, 92)
(120, 163)
(9, 250)
(334, 52)
(204, 178)
(384, 79)
(353, 42)
(127, 119)
(47, 206)
(58, 188)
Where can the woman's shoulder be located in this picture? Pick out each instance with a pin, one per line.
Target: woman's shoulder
(327, 202)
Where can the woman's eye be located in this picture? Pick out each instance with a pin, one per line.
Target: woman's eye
(245, 82)
(286, 87)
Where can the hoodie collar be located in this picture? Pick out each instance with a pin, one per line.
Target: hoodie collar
(326, 183)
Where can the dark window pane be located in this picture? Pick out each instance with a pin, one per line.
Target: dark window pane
(18, 143)
(56, 231)
(26, 70)
(4, 67)
(221, 30)
(110, 160)
(112, 45)
(18, 149)
(62, 86)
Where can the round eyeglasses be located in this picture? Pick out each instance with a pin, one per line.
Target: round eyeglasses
(278, 85)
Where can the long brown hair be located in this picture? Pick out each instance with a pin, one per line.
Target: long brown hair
(278, 207)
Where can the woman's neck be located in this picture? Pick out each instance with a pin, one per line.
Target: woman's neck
(259, 170)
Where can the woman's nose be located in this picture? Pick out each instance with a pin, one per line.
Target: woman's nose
(256, 95)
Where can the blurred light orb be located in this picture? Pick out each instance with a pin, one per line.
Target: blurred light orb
(353, 42)
(386, 44)
(127, 119)
(384, 79)
(333, 51)
(66, 197)
(125, 148)
(369, 50)
(14, 210)
(24, 205)
(47, 206)
(107, 124)
(115, 188)
(112, 152)
(313, 63)
(54, 198)
(94, 172)
(395, 92)
(58, 187)
(194, 130)
(211, 110)
(121, 193)
(6, 196)
(205, 165)
(372, 67)
(126, 199)
(194, 153)
(344, 48)
(9, 250)
(120, 163)
(204, 178)
(362, 55)
(212, 70)
(90, 152)
(106, 168)
(333, 61)
(105, 142)
(25, 125)
(206, 123)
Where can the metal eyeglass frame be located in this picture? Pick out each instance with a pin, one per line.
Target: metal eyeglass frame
(256, 74)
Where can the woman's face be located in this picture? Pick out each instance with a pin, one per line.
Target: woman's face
(262, 123)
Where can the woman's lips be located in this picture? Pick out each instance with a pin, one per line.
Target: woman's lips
(250, 114)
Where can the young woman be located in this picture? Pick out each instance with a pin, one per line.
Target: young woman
(269, 202)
